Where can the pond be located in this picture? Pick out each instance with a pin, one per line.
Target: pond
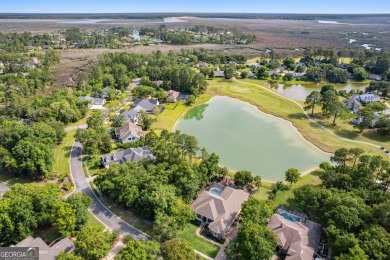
(300, 92)
(247, 139)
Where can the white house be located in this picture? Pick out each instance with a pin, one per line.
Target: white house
(94, 103)
(368, 98)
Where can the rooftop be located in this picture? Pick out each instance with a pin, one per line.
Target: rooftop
(222, 208)
(298, 237)
(48, 252)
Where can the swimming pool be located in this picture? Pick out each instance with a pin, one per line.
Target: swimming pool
(290, 217)
(216, 191)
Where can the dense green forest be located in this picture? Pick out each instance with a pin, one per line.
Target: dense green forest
(118, 69)
(352, 203)
(161, 189)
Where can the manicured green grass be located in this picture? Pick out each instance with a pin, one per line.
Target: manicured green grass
(198, 243)
(285, 197)
(94, 166)
(61, 155)
(173, 112)
(93, 221)
(129, 217)
(271, 103)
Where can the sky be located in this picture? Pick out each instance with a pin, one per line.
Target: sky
(231, 6)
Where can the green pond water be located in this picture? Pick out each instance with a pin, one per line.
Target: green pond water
(300, 92)
(247, 139)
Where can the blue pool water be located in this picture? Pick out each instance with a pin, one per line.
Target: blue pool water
(290, 217)
(216, 191)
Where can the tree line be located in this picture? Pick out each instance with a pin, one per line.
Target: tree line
(160, 189)
(352, 202)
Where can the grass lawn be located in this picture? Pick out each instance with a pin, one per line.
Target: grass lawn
(129, 217)
(198, 243)
(93, 221)
(173, 112)
(271, 103)
(12, 179)
(285, 197)
(61, 155)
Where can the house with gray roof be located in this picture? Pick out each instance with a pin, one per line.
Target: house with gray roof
(94, 103)
(219, 74)
(359, 119)
(250, 75)
(106, 92)
(48, 252)
(128, 155)
(253, 65)
(146, 105)
(298, 237)
(368, 98)
(352, 104)
(201, 64)
(129, 132)
(218, 207)
(130, 116)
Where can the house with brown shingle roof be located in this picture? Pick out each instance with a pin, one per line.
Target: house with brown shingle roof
(129, 132)
(173, 96)
(298, 237)
(218, 207)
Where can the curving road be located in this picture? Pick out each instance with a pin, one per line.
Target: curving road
(97, 208)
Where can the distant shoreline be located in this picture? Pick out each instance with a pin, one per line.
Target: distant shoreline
(159, 15)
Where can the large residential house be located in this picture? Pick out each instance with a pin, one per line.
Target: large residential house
(253, 65)
(129, 132)
(48, 252)
(130, 116)
(368, 98)
(358, 120)
(375, 77)
(218, 207)
(128, 155)
(352, 104)
(173, 96)
(219, 74)
(250, 75)
(146, 105)
(298, 237)
(94, 103)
